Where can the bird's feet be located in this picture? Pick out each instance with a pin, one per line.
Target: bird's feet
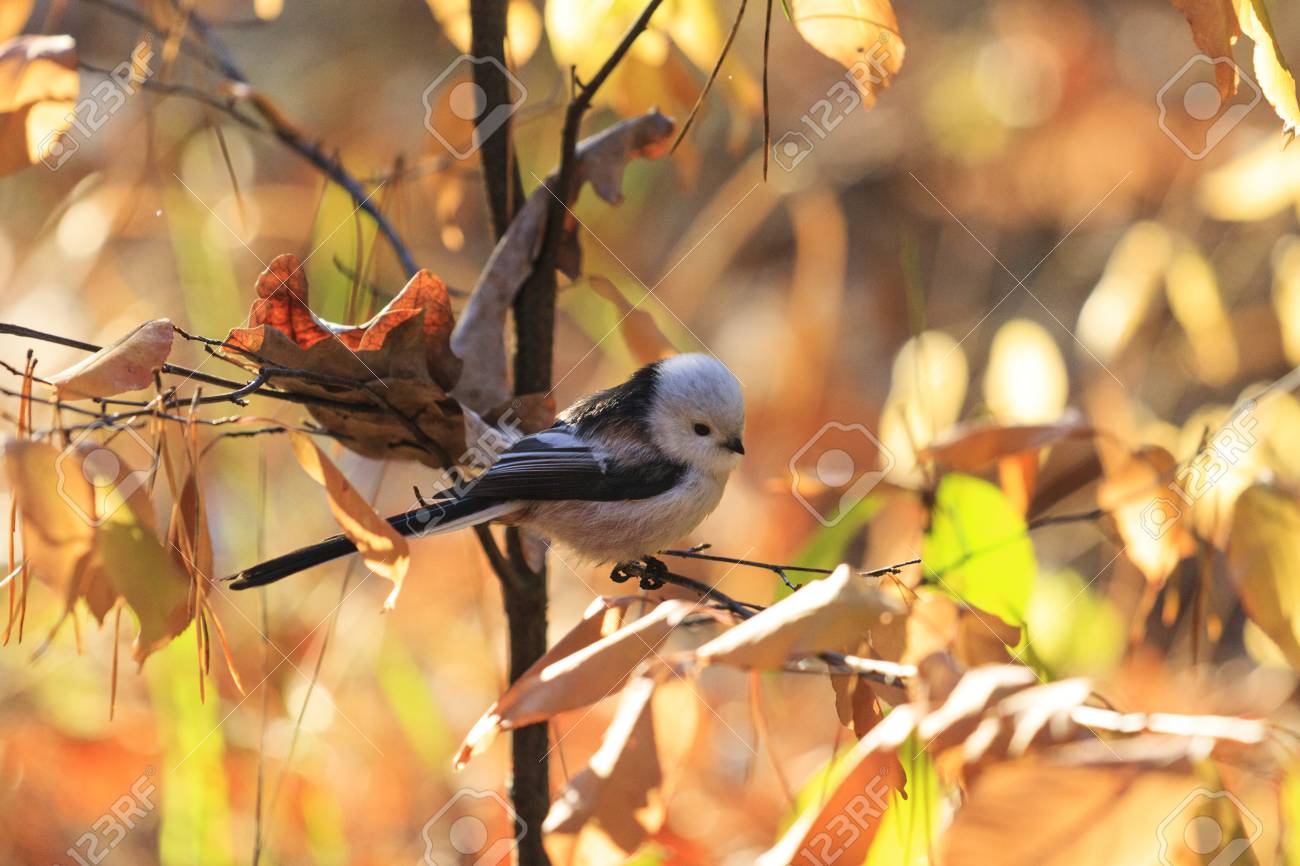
(649, 572)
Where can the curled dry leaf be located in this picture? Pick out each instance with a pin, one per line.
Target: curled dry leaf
(1264, 564)
(38, 88)
(402, 354)
(384, 551)
(480, 333)
(618, 795)
(589, 663)
(128, 364)
(860, 34)
(835, 613)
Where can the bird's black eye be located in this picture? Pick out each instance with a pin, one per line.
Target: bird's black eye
(702, 430)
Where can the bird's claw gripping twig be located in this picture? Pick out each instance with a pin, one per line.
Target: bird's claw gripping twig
(649, 572)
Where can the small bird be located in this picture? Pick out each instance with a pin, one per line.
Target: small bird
(622, 474)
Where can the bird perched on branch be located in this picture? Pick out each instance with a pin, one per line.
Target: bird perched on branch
(622, 474)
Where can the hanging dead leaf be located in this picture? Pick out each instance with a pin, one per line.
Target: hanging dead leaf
(618, 794)
(1264, 564)
(587, 665)
(480, 333)
(129, 363)
(1214, 30)
(855, 703)
(862, 35)
(56, 501)
(38, 88)
(146, 576)
(835, 613)
(403, 354)
(384, 552)
(644, 339)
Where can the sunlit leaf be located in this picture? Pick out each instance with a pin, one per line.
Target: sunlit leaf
(385, 552)
(836, 613)
(523, 27)
(38, 87)
(403, 352)
(1214, 29)
(128, 364)
(1264, 564)
(147, 576)
(1025, 380)
(978, 548)
(862, 35)
(1271, 69)
(1119, 302)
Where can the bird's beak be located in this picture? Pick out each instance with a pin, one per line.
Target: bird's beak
(735, 445)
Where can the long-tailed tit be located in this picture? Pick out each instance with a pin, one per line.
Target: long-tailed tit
(623, 473)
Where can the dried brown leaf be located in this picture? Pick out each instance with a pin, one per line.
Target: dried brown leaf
(385, 553)
(862, 35)
(129, 363)
(480, 334)
(403, 354)
(836, 613)
(589, 663)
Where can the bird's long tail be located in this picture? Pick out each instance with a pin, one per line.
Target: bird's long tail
(433, 519)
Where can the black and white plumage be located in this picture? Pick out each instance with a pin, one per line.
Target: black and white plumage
(622, 474)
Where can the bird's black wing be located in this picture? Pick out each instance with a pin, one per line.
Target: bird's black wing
(555, 465)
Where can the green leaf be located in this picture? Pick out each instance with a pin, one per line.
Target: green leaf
(978, 548)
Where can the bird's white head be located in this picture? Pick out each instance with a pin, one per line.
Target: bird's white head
(697, 414)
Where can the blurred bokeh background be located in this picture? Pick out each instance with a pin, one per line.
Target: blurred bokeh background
(1010, 233)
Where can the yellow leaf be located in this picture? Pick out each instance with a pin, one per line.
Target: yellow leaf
(1264, 563)
(146, 576)
(860, 34)
(1271, 70)
(384, 551)
(523, 26)
(38, 88)
(129, 364)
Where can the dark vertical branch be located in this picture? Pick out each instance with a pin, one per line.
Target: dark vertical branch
(523, 590)
(500, 169)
